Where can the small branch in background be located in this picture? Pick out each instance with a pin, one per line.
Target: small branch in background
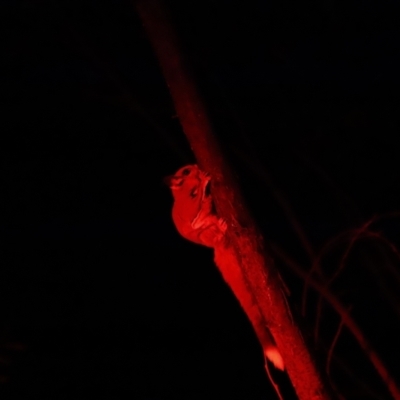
(346, 318)
(274, 385)
(395, 273)
(344, 367)
(334, 341)
(354, 238)
(377, 270)
(316, 267)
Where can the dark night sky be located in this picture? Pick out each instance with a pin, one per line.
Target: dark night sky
(95, 282)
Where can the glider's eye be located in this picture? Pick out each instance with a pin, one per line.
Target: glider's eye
(186, 172)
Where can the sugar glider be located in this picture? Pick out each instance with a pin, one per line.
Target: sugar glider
(195, 219)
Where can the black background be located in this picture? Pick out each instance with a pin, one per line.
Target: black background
(95, 282)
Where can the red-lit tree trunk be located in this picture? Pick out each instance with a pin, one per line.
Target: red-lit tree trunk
(258, 271)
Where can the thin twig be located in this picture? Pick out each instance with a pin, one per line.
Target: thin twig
(274, 385)
(316, 267)
(334, 341)
(354, 377)
(355, 237)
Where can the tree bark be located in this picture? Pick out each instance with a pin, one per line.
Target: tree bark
(258, 269)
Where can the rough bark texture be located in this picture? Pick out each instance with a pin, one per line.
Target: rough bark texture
(258, 270)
